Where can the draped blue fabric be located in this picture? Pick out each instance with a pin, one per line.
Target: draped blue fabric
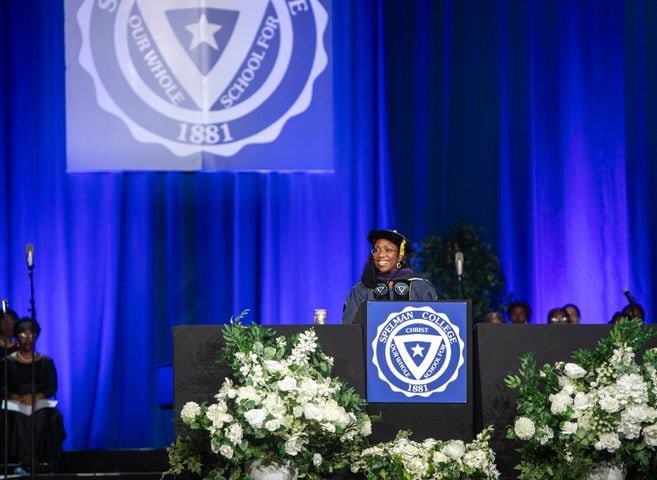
(535, 120)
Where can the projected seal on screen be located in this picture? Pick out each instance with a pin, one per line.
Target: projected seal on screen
(209, 76)
(418, 351)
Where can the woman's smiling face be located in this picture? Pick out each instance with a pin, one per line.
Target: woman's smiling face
(385, 255)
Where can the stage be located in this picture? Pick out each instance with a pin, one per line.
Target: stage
(134, 464)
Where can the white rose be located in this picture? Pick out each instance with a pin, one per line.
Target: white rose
(189, 412)
(293, 446)
(609, 404)
(574, 371)
(332, 411)
(311, 412)
(569, 428)
(608, 441)
(524, 428)
(226, 451)
(440, 457)
(272, 425)
(650, 436)
(582, 401)
(216, 414)
(366, 426)
(256, 417)
(454, 449)
(410, 450)
(317, 459)
(287, 384)
(560, 402)
(248, 393)
(545, 434)
(234, 433)
(273, 366)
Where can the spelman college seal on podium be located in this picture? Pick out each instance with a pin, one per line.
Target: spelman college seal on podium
(417, 354)
(206, 76)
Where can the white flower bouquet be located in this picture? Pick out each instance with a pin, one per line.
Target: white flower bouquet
(573, 418)
(282, 407)
(405, 459)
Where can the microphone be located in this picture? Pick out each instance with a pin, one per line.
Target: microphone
(629, 296)
(5, 306)
(29, 255)
(458, 260)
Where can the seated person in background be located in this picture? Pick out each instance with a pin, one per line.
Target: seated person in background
(634, 310)
(574, 316)
(558, 316)
(616, 317)
(7, 332)
(519, 312)
(387, 275)
(49, 427)
(494, 317)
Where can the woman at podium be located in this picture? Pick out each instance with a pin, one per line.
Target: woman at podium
(387, 276)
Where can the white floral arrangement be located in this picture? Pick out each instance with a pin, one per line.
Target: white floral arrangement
(573, 418)
(281, 408)
(430, 459)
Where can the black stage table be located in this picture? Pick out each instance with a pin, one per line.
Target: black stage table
(198, 377)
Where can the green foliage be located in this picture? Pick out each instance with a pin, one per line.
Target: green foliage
(483, 279)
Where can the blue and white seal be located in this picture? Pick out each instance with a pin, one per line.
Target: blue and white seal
(211, 76)
(418, 351)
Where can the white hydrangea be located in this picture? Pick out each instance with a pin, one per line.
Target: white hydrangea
(524, 428)
(475, 459)
(190, 411)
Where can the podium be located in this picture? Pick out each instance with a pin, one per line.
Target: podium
(419, 369)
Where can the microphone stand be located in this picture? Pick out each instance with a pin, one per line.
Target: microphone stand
(460, 286)
(5, 386)
(30, 270)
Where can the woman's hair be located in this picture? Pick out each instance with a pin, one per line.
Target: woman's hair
(26, 323)
(370, 275)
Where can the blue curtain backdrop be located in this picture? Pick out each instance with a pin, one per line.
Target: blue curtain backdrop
(535, 120)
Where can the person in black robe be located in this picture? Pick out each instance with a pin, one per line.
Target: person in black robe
(387, 275)
(27, 368)
(7, 341)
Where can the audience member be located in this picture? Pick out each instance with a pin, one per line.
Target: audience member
(574, 316)
(634, 310)
(494, 317)
(7, 331)
(558, 316)
(519, 312)
(616, 317)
